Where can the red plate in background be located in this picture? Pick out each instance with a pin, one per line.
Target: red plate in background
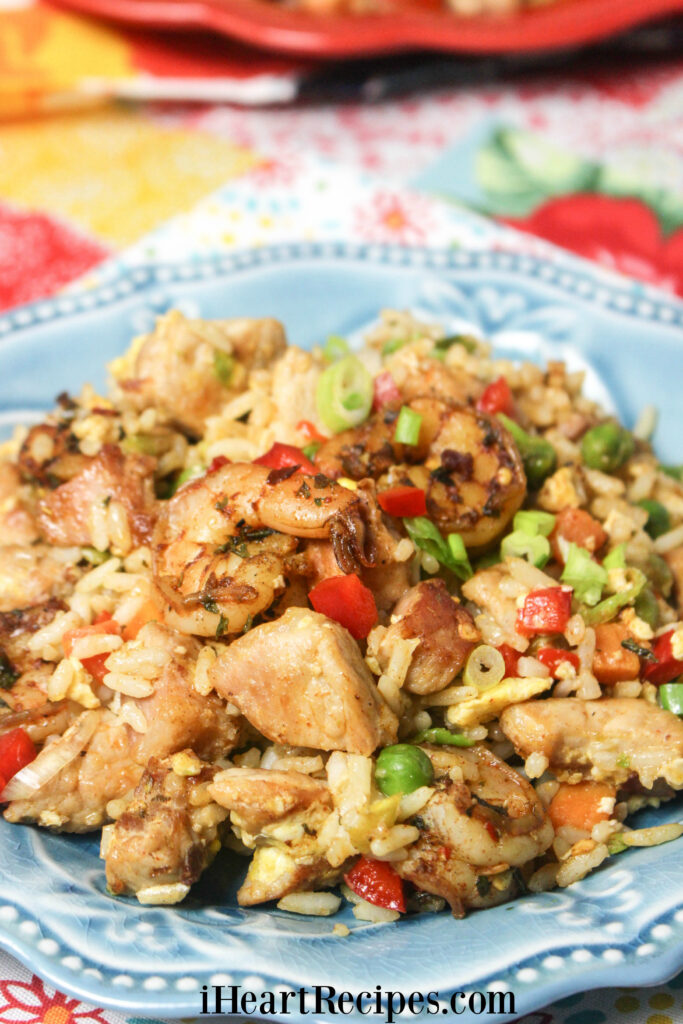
(407, 25)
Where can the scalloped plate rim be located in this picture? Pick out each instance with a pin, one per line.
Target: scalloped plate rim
(565, 279)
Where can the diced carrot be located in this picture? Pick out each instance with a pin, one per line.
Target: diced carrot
(96, 664)
(612, 663)
(107, 625)
(579, 805)
(579, 526)
(148, 613)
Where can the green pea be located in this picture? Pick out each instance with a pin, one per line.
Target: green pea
(606, 447)
(439, 735)
(402, 768)
(658, 518)
(647, 608)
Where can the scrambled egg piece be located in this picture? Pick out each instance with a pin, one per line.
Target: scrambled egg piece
(488, 704)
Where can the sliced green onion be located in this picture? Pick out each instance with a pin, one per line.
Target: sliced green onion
(485, 667)
(584, 575)
(442, 346)
(408, 426)
(538, 455)
(535, 549)
(344, 394)
(443, 737)
(451, 553)
(673, 471)
(616, 559)
(223, 366)
(458, 551)
(658, 518)
(534, 523)
(606, 610)
(310, 449)
(335, 348)
(671, 697)
(392, 346)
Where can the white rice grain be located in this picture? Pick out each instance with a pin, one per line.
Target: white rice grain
(98, 643)
(669, 541)
(313, 904)
(130, 686)
(98, 577)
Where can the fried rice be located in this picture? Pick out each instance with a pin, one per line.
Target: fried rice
(404, 621)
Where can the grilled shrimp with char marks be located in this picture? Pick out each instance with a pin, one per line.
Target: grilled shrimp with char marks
(465, 461)
(222, 542)
(483, 821)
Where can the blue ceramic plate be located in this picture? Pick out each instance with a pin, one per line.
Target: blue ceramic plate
(621, 926)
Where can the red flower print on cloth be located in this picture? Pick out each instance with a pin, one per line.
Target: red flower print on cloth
(393, 217)
(622, 234)
(275, 171)
(39, 255)
(24, 1003)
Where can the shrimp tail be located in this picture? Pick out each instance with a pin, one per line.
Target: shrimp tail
(352, 541)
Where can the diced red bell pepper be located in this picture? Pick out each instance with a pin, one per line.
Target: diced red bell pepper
(282, 456)
(95, 665)
(377, 882)
(544, 611)
(511, 658)
(385, 391)
(666, 668)
(310, 432)
(217, 463)
(552, 658)
(16, 751)
(348, 601)
(577, 526)
(403, 501)
(496, 398)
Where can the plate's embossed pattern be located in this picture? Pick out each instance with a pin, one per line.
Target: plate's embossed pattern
(622, 925)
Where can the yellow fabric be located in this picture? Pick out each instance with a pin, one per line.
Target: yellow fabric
(112, 172)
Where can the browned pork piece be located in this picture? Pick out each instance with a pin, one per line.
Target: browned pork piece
(446, 632)
(280, 814)
(172, 717)
(301, 680)
(187, 369)
(484, 821)
(170, 831)
(67, 513)
(607, 740)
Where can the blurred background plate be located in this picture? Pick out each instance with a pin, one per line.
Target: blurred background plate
(406, 25)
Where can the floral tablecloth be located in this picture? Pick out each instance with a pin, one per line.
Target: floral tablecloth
(100, 184)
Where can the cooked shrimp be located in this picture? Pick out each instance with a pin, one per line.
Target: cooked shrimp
(301, 680)
(466, 462)
(222, 541)
(483, 821)
(607, 739)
